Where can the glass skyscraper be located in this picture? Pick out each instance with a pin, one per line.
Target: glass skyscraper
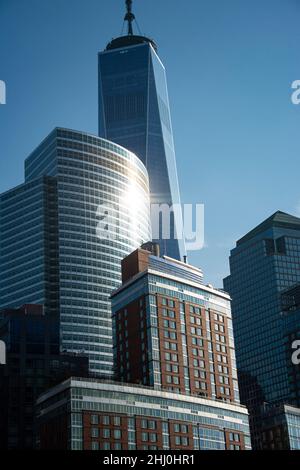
(83, 207)
(263, 266)
(134, 112)
(29, 239)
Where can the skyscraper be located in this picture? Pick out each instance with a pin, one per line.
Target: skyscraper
(134, 111)
(263, 266)
(29, 240)
(83, 207)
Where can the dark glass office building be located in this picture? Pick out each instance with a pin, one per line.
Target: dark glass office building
(134, 112)
(33, 364)
(264, 265)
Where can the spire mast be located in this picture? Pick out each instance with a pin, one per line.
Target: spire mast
(129, 17)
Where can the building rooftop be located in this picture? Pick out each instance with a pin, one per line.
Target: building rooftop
(170, 268)
(278, 219)
(123, 387)
(128, 41)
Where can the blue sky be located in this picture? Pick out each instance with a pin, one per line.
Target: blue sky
(230, 65)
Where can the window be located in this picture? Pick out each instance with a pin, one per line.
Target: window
(105, 420)
(234, 437)
(281, 246)
(184, 441)
(117, 434)
(95, 445)
(117, 421)
(144, 424)
(144, 436)
(94, 419)
(94, 432)
(176, 427)
(269, 246)
(106, 433)
(153, 437)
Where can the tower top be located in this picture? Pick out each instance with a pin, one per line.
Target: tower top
(129, 17)
(129, 39)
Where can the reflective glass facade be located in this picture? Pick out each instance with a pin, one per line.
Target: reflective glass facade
(293, 427)
(280, 427)
(263, 265)
(28, 233)
(134, 112)
(102, 214)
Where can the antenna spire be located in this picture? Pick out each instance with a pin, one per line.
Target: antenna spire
(129, 17)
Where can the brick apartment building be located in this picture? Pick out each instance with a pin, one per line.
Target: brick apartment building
(176, 381)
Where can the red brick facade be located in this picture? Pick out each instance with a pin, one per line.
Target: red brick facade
(133, 337)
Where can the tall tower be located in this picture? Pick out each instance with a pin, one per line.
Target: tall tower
(263, 284)
(134, 112)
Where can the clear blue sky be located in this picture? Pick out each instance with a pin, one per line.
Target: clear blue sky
(230, 66)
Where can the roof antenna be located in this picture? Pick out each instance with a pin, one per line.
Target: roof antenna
(129, 17)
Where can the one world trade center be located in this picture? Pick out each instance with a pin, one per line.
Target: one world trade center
(134, 112)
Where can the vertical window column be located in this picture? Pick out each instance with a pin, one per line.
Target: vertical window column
(187, 385)
(131, 434)
(166, 436)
